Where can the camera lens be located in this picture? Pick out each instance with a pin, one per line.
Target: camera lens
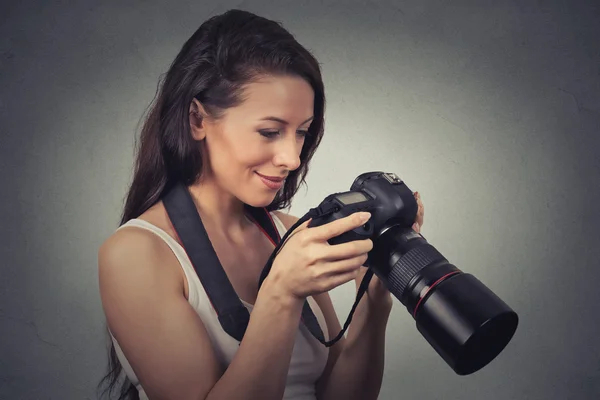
(462, 319)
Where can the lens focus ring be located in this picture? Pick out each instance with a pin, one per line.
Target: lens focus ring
(408, 265)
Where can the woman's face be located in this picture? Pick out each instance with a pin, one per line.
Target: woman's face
(260, 139)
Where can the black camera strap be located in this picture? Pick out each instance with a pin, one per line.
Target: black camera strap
(232, 314)
(186, 221)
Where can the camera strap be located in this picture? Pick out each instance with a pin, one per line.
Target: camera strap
(232, 314)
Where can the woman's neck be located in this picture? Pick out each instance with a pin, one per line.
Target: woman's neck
(220, 209)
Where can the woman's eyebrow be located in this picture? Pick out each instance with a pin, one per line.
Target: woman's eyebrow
(282, 121)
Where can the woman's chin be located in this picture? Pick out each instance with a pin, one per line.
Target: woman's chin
(260, 201)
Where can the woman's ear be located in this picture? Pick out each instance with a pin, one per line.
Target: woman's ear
(198, 122)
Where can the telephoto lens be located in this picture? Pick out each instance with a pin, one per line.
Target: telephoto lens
(462, 319)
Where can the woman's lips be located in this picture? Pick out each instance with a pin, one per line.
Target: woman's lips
(273, 183)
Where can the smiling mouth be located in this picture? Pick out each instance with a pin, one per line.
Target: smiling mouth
(272, 182)
(272, 178)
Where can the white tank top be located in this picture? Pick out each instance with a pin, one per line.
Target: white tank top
(309, 356)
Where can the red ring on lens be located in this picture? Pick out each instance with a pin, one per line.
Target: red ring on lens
(431, 287)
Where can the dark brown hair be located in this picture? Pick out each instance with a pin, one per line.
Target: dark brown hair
(225, 53)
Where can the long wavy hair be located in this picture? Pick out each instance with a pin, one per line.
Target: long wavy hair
(227, 52)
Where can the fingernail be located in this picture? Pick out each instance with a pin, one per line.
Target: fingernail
(364, 216)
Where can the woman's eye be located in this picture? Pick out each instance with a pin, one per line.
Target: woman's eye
(271, 134)
(268, 134)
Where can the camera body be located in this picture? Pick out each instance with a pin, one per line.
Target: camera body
(393, 209)
(383, 194)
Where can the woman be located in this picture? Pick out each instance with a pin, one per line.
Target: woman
(237, 119)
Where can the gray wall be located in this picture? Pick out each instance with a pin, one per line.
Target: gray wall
(491, 111)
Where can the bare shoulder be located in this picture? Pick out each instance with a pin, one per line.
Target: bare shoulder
(161, 335)
(287, 219)
(132, 253)
(138, 254)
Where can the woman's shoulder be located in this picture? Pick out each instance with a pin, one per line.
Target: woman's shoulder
(127, 241)
(287, 219)
(135, 254)
(131, 255)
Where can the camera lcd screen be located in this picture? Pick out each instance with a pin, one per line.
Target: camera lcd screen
(351, 198)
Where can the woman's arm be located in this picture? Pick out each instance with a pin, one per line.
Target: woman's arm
(354, 368)
(358, 370)
(166, 342)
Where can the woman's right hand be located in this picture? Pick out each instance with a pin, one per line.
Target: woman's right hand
(307, 264)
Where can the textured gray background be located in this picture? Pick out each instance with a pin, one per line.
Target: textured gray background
(490, 109)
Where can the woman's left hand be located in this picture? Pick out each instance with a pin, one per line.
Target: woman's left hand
(420, 213)
(378, 295)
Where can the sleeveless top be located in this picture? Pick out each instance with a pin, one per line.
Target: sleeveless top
(309, 356)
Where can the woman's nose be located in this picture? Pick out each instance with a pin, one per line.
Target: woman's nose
(288, 152)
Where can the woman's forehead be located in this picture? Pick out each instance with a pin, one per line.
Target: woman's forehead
(281, 96)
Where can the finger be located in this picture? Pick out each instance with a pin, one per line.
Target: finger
(348, 249)
(340, 279)
(300, 228)
(337, 227)
(345, 266)
(361, 275)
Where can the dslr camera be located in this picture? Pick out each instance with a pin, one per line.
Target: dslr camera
(463, 320)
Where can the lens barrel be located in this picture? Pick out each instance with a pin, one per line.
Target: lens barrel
(466, 323)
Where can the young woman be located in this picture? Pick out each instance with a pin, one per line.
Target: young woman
(237, 119)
